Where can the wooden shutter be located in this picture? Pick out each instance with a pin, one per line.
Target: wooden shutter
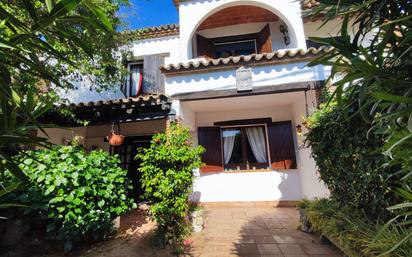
(264, 41)
(153, 81)
(281, 145)
(210, 139)
(205, 47)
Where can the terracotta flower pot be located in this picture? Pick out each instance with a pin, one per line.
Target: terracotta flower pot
(288, 164)
(115, 139)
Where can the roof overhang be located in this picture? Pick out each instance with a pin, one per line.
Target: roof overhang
(132, 109)
(306, 4)
(275, 58)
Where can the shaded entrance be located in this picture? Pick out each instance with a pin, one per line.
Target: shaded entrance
(127, 153)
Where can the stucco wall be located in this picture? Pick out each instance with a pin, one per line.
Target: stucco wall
(94, 135)
(257, 186)
(270, 75)
(247, 186)
(311, 185)
(241, 29)
(167, 46)
(193, 13)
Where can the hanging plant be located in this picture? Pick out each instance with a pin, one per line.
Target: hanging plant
(115, 139)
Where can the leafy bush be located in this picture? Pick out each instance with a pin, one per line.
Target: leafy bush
(354, 233)
(350, 161)
(167, 179)
(76, 194)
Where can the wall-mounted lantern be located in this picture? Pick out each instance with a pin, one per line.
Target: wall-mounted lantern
(299, 129)
(285, 32)
(172, 115)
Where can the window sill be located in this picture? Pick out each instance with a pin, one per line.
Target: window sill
(258, 170)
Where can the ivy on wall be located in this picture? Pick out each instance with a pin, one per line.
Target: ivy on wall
(350, 160)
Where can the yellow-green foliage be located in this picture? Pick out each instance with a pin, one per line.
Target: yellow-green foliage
(354, 233)
(167, 168)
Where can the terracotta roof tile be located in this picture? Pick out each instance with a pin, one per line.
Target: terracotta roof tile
(308, 4)
(173, 29)
(142, 100)
(151, 32)
(254, 59)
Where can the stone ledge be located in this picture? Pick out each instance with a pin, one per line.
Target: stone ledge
(250, 204)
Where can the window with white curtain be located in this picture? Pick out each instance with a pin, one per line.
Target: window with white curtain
(245, 147)
(133, 84)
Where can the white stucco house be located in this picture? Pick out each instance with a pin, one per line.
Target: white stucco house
(234, 72)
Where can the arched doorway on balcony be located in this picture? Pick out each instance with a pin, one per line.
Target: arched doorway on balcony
(240, 30)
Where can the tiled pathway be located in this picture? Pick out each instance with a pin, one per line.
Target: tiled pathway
(242, 231)
(265, 232)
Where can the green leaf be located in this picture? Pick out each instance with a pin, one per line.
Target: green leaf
(99, 13)
(77, 201)
(49, 5)
(56, 199)
(392, 98)
(101, 203)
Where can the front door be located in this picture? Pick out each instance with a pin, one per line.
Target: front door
(127, 153)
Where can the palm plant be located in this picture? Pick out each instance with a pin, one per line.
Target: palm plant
(373, 59)
(45, 43)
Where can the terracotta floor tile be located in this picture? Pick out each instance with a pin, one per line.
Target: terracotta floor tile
(245, 240)
(291, 249)
(268, 249)
(246, 249)
(264, 239)
(313, 248)
(284, 239)
(256, 232)
(260, 232)
(279, 231)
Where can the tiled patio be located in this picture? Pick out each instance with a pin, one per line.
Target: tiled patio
(241, 231)
(248, 231)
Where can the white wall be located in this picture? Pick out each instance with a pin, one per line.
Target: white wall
(311, 185)
(193, 13)
(168, 46)
(242, 29)
(257, 186)
(247, 186)
(270, 75)
(314, 28)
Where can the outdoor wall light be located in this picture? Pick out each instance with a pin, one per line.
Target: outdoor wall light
(284, 30)
(172, 115)
(299, 128)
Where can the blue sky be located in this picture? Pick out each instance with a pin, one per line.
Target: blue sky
(147, 13)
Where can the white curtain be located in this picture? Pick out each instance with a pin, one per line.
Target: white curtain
(136, 80)
(257, 142)
(229, 137)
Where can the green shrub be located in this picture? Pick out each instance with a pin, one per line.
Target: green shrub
(354, 233)
(167, 179)
(350, 161)
(76, 194)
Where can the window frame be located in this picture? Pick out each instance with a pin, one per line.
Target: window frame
(245, 165)
(232, 42)
(126, 87)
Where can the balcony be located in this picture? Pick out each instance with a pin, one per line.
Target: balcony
(240, 30)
